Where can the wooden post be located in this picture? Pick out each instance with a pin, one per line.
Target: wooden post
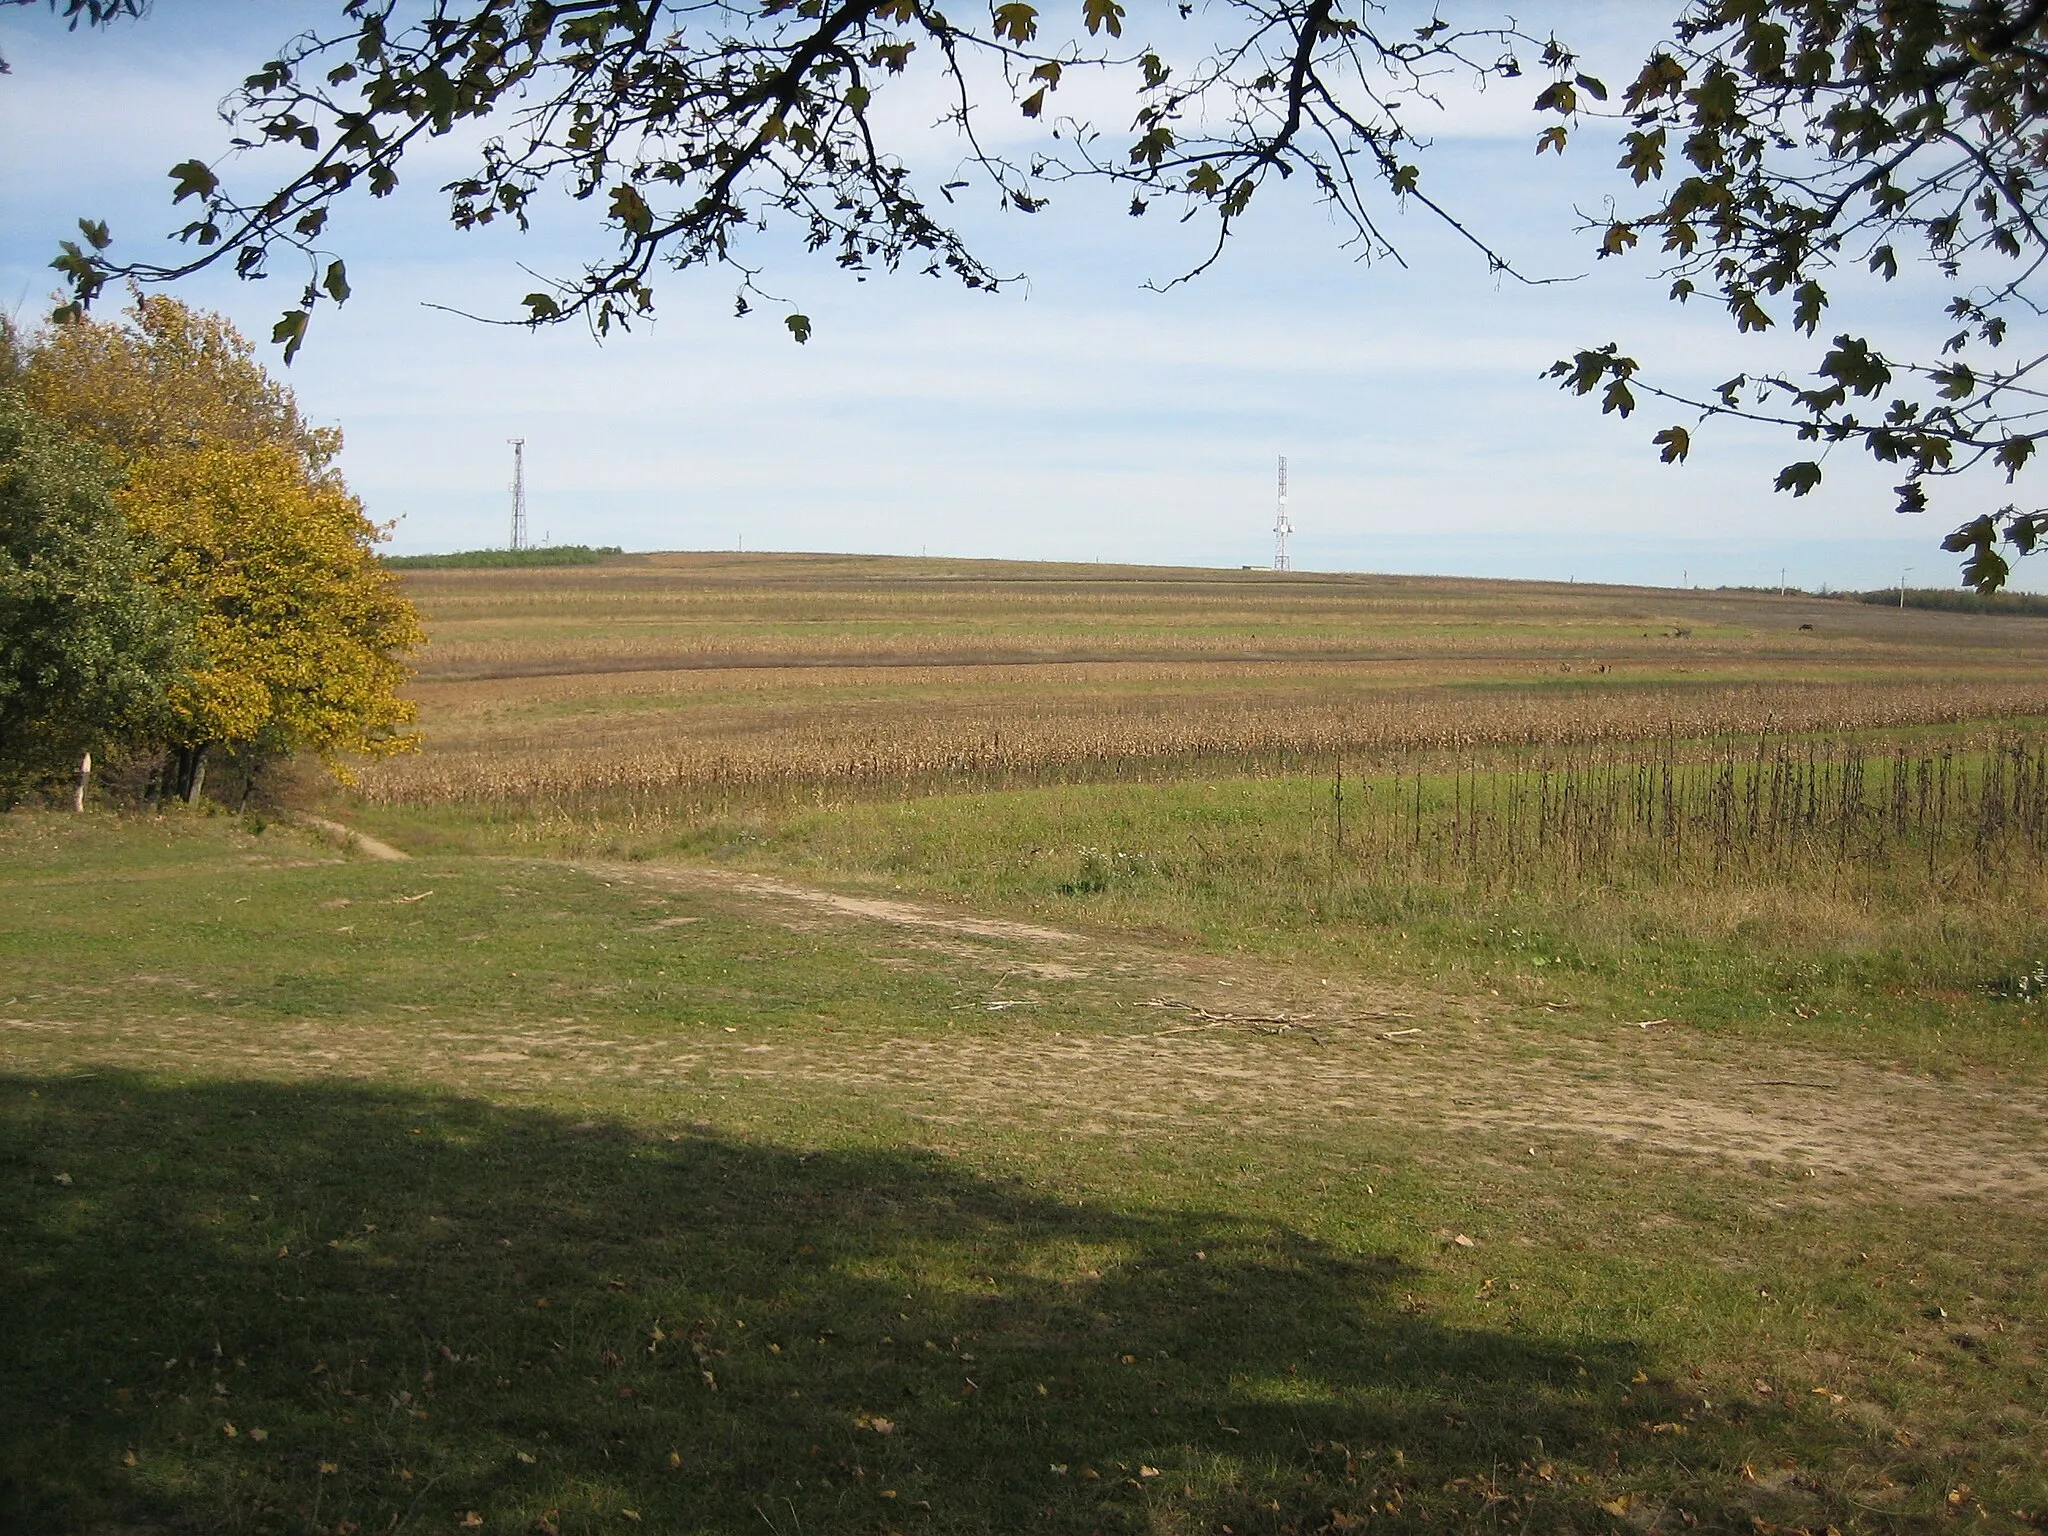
(84, 776)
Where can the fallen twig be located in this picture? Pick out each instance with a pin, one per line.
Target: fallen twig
(1283, 1019)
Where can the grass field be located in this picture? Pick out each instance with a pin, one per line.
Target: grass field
(914, 1047)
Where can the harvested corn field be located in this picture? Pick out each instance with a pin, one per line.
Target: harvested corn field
(686, 675)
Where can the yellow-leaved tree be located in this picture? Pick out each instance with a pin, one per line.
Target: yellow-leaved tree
(302, 631)
(172, 377)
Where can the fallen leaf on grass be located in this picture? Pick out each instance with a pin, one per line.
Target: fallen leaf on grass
(879, 1425)
(61, 1178)
(127, 1458)
(471, 1520)
(525, 1456)
(259, 1435)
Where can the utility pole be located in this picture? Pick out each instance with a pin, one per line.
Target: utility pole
(518, 491)
(1282, 525)
(1902, 587)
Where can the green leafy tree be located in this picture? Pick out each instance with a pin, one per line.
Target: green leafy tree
(90, 646)
(1782, 146)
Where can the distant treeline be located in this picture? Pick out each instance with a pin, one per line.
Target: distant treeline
(553, 554)
(1952, 601)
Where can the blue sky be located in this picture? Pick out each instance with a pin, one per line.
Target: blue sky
(1076, 416)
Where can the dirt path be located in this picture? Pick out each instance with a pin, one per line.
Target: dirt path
(348, 838)
(1215, 1042)
(901, 914)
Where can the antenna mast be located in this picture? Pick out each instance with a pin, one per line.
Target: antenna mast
(1282, 525)
(518, 491)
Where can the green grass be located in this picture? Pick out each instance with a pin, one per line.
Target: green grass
(264, 1164)
(1866, 956)
(506, 559)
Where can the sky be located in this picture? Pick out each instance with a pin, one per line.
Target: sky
(1079, 414)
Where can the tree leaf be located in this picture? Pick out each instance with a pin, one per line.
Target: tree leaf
(291, 331)
(194, 178)
(1798, 478)
(1104, 15)
(1017, 21)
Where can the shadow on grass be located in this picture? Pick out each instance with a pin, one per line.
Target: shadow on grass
(268, 1307)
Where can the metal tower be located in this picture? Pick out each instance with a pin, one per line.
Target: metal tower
(518, 491)
(1282, 524)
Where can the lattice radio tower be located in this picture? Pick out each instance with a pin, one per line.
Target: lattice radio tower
(518, 491)
(1282, 525)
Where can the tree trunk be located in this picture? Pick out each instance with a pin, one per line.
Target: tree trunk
(191, 772)
(84, 777)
